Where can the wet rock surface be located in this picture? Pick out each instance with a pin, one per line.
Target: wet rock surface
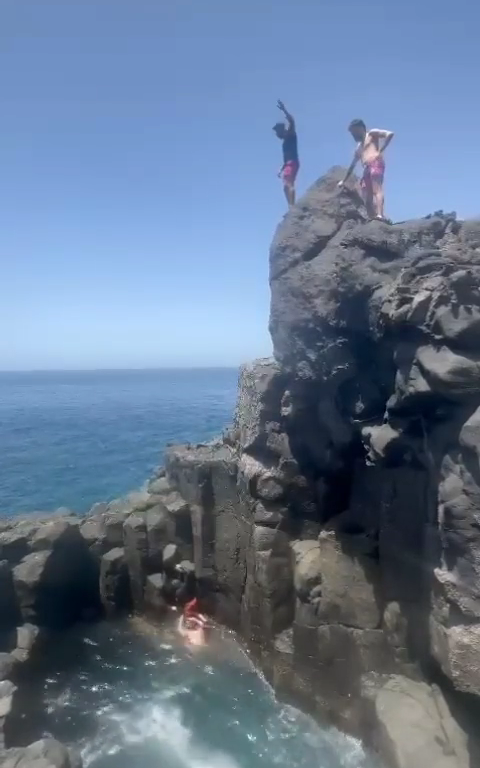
(46, 753)
(414, 727)
(115, 582)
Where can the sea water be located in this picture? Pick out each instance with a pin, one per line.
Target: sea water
(70, 439)
(128, 695)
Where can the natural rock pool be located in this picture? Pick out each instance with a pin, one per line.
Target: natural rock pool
(127, 695)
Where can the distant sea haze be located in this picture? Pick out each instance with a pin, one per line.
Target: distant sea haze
(72, 438)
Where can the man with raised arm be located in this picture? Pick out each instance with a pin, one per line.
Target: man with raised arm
(371, 145)
(288, 136)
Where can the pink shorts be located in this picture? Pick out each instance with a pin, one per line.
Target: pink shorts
(373, 171)
(289, 172)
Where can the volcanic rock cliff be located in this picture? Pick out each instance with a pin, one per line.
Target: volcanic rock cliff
(339, 520)
(336, 525)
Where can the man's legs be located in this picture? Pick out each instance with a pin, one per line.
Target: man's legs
(367, 190)
(289, 190)
(288, 176)
(378, 197)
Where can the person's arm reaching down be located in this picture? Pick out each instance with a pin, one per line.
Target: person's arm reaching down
(289, 117)
(351, 167)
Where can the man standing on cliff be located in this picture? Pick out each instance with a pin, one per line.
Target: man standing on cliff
(370, 153)
(288, 136)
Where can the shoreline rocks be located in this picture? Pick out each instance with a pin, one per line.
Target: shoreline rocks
(414, 727)
(46, 753)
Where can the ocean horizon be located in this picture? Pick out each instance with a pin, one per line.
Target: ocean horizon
(140, 369)
(71, 438)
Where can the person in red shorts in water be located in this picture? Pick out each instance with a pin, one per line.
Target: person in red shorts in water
(288, 136)
(193, 619)
(370, 153)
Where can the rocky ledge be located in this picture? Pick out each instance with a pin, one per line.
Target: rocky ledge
(336, 526)
(129, 555)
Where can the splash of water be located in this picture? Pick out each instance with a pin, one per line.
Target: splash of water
(143, 701)
(160, 727)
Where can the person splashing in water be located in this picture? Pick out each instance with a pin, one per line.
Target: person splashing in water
(192, 615)
(192, 624)
(288, 136)
(370, 153)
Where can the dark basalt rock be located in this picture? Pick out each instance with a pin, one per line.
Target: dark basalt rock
(155, 602)
(9, 609)
(115, 582)
(6, 666)
(413, 727)
(56, 585)
(136, 554)
(28, 644)
(59, 568)
(14, 545)
(8, 691)
(46, 753)
(338, 521)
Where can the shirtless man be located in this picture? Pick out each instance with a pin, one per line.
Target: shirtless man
(370, 153)
(288, 136)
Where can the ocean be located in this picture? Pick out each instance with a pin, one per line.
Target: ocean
(70, 439)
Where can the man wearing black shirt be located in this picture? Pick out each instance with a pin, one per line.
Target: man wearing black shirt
(288, 136)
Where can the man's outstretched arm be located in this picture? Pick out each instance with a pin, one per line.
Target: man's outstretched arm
(379, 133)
(290, 118)
(351, 167)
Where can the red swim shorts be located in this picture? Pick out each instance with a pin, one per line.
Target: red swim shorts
(373, 171)
(191, 607)
(289, 172)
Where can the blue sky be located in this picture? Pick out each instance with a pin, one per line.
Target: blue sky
(138, 189)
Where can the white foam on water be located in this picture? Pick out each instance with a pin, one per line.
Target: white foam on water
(146, 726)
(160, 723)
(149, 723)
(63, 700)
(349, 750)
(291, 724)
(175, 690)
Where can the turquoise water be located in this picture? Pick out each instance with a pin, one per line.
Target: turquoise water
(70, 439)
(128, 698)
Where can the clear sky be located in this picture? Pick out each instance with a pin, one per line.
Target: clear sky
(138, 189)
